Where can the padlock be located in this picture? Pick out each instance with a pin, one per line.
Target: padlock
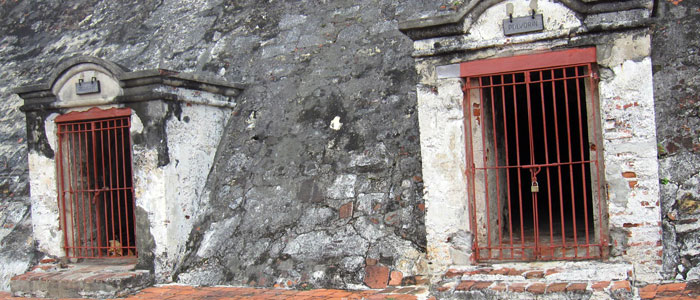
(535, 187)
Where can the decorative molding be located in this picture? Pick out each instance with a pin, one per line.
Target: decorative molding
(460, 22)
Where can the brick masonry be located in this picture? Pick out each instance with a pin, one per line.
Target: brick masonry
(180, 292)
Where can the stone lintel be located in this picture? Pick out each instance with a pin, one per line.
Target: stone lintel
(137, 86)
(454, 24)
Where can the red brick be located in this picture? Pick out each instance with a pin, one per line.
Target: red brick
(514, 272)
(649, 288)
(453, 273)
(671, 287)
(624, 284)
(480, 285)
(395, 278)
(465, 285)
(551, 271)
(376, 277)
(518, 287)
(647, 295)
(345, 211)
(502, 271)
(632, 184)
(536, 288)
(576, 287)
(443, 288)
(534, 274)
(629, 174)
(499, 287)
(556, 287)
(600, 285)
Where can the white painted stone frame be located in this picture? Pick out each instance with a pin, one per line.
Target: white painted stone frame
(626, 112)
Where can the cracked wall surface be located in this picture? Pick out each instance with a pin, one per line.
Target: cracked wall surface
(675, 44)
(317, 178)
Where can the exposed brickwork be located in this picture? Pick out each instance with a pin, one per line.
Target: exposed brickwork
(376, 277)
(599, 286)
(536, 288)
(576, 287)
(679, 290)
(190, 292)
(345, 211)
(618, 285)
(557, 287)
(395, 278)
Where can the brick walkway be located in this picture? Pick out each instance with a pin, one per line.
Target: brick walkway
(180, 292)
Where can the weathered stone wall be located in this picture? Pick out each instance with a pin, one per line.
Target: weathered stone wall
(676, 65)
(318, 175)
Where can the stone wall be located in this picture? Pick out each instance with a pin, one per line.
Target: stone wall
(318, 175)
(317, 181)
(676, 65)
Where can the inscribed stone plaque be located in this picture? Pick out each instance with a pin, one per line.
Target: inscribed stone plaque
(523, 25)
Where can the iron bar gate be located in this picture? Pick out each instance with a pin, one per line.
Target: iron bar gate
(533, 160)
(95, 183)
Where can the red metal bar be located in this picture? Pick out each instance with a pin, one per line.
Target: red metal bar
(498, 184)
(520, 183)
(571, 168)
(93, 114)
(111, 180)
(561, 193)
(546, 155)
(78, 165)
(533, 177)
(528, 62)
(61, 190)
(571, 78)
(124, 242)
(131, 187)
(106, 183)
(602, 239)
(97, 188)
(505, 129)
(74, 191)
(583, 170)
(486, 177)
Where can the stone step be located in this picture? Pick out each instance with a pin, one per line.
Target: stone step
(97, 279)
(528, 280)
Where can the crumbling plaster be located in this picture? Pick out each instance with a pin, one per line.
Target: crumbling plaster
(625, 112)
(173, 144)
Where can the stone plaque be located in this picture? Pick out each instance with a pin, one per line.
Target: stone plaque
(523, 25)
(91, 87)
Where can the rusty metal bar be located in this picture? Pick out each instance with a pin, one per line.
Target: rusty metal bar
(505, 129)
(571, 168)
(520, 183)
(564, 81)
(561, 191)
(82, 139)
(583, 169)
(546, 154)
(485, 163)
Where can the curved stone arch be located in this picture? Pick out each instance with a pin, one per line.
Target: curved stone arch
(67, 64)
(460, 22)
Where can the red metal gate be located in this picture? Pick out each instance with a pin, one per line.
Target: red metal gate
(533, 160)
(95, 183)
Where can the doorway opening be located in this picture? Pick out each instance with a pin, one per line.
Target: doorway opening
(534, 164)
(95, 183)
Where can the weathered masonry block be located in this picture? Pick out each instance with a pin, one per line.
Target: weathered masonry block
(541, 145)
(118, 159)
